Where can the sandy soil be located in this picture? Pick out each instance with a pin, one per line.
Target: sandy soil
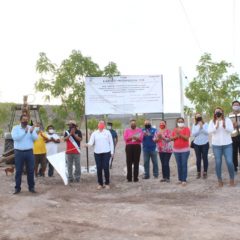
(145, 210)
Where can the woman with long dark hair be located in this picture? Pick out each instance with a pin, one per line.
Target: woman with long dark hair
(181, 149)
(201, 144)
(221, 128)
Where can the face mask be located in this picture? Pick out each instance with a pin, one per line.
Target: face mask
(24, 124)
(147, 125)
(162, 126)
(236, 108)
(180, 124)
(218, 114)
(109, 127)
(37, 129)
(199, 119)
(101, 126)
(51, 131)
(133, 126)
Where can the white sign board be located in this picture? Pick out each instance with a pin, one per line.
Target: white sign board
(124, 95)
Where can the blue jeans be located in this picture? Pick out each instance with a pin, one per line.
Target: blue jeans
(226, 151)
(164, 158)
(102, 163)
(146, 157)
(50, 169)
(201, 152)
(182, 165)
(21, 157)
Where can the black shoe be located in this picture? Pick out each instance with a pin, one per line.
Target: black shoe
(198, 175)
(71, 180)
(32, 191)
(145, 177)
(77, 180)
(17, 191)
(163, 180)
(135, 180)
(129, 180)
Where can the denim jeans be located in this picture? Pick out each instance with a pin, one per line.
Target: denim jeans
(102, 163)
(226, 151)
(22, 157)
(236, 150)
(147, 155)
(182, 165)
(50, 169)
(165, 158)
(73, 158)
(201, 152)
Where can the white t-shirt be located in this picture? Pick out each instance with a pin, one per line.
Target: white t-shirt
(52, 147)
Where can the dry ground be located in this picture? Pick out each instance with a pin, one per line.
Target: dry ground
(146, 210)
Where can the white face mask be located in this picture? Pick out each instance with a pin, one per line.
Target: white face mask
(236, 108)
(180, 124)
(109, 127)
(37, 129)
(51, 131)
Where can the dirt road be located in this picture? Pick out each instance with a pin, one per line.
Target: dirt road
(146, 210)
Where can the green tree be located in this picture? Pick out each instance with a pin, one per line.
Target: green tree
(92, 123)
(66, 81)
(213, 86)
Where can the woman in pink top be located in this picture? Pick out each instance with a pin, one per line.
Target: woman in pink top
(181, 149)
(133, 138)
(164, 145)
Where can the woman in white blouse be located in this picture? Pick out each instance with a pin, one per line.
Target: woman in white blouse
(103, 150)
(221, 128)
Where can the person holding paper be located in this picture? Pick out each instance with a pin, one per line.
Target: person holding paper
(73, 137)
(133, 137)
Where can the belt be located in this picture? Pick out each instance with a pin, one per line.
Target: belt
(24, 150)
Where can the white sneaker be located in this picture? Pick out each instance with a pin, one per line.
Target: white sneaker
(99, 187)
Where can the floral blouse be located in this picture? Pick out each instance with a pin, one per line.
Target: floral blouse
(164, 144)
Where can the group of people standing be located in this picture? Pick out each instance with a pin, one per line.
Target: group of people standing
(225, 141)
(32, 147)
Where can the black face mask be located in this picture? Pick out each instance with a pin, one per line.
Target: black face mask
(133, 126)
(24, 124)
(199, 119)
(218, 114)
(147, 125)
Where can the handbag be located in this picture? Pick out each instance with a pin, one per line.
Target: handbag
(192, 144)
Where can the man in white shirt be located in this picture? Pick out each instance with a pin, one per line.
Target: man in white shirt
(52, 146)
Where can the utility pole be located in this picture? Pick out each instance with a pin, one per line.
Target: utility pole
(181, 92)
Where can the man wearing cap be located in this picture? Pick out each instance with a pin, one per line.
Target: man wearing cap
(114, 137)
(73, 137)
(52, 146)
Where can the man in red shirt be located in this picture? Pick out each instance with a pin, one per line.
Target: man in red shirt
(73, 137)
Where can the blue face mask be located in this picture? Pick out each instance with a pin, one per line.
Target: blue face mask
(37, 129)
